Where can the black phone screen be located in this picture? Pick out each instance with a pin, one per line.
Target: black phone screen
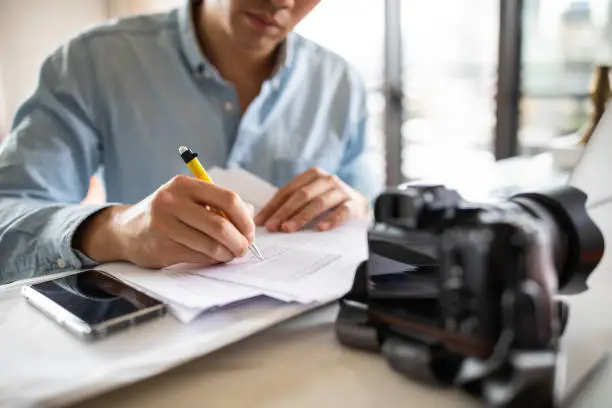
(94, 297)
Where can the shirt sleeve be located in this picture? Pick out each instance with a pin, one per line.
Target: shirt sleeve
(362, 165)
(46, 162)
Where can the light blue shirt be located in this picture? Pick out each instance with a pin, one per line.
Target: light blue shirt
(122, 97)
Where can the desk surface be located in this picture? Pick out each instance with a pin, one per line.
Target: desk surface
(297, 364)
(300, 364)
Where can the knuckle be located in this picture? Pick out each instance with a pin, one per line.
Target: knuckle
(303, 195)
(318, 171)
(332, 178)
(318, 203)
(179, 181)
(219, 226)
(232, 199)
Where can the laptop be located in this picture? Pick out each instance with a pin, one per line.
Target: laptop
(593, 172)
(588, 338)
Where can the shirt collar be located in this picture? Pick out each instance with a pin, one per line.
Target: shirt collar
(198, 63)
(188, 37)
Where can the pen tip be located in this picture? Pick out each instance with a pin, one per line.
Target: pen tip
(256, 252)
(182, 149)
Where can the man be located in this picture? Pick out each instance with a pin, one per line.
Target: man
(228, 78)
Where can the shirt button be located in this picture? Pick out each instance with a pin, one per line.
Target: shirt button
(228, 106)
(60, 262)
(200, 70)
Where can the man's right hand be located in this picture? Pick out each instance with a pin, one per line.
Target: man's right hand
(173, 225)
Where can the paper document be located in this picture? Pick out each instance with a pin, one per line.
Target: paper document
(283, 270)
(249, 187)
(304, 267)
(183, 288)
(348, 240)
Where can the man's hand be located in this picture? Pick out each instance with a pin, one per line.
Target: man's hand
(173, 225)
(307, 197)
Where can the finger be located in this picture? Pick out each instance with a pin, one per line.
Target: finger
(299, 199)
(219, 198)
(176, 253)
(184, 234)
(282, 195)
(232, 205)
(317, 206)
(214, 226)
(250, 209)
(285, 192)
(338, 216)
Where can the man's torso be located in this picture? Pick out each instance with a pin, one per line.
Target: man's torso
(157, 96)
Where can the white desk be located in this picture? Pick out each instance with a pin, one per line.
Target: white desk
(300, 364)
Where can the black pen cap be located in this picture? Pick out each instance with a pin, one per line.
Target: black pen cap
(186, 154)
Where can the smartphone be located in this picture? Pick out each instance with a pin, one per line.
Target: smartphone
(92, 304)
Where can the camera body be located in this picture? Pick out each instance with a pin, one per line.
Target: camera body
(464, 294)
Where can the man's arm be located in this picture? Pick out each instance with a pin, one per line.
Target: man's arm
(45, 167)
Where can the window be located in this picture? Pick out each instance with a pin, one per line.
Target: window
(449, 80)
(359, 38)
(559, 50)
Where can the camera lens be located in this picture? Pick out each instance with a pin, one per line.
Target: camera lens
(578, 243)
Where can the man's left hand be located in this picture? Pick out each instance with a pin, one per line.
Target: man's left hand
(308, 196)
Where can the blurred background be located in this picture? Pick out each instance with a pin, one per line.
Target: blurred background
(452, 83)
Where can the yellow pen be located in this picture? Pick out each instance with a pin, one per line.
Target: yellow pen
(193, 163)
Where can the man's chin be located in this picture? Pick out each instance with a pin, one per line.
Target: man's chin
(254, 43)
(258, 45)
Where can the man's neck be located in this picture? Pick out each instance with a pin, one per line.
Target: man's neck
(235, 64)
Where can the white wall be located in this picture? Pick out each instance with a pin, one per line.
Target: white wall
(29, 31)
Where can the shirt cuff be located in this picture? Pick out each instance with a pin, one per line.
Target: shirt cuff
(64, 226)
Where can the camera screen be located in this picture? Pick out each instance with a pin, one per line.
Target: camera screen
(404, 276)
(94, 297)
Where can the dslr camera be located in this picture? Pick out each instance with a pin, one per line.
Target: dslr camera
(464, 294)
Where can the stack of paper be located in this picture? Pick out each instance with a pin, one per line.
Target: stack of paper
(305, 266)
